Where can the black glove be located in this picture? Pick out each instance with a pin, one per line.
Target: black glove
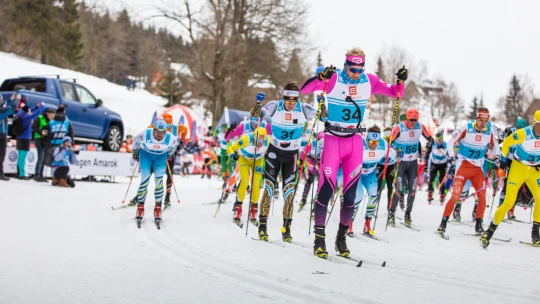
(497, 162)
(136, 154)
(327, 73)
(402, 74)
(180, 145)
(76, 151)
(451, 161)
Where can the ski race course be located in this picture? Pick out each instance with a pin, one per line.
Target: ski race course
(67, 246)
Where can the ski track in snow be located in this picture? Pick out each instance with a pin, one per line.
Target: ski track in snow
(67, 246)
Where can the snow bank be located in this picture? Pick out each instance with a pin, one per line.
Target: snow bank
(135, 107)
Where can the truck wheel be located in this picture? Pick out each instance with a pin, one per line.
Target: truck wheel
(113, 139)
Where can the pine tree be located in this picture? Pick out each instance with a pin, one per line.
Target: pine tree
(70, 37)
(294, 68)
(514, 104)
(474, 108)
(170, 87)
(319, 60)
(382, 100)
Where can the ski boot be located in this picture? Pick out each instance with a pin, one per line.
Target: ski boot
(487, 235)
(367, 226)
(391, 219)
(263, 235)
(511, 215)
(402, 203)
(442, 227)
(133, 201)
(3, 177)
(237, 208)
(407, 219)
(474, 211)
(442, 197)
(350, 232)
(303, 202)
(478, 227)
(341, 241)
(535, 234)
(157, 212)
(457, 212)
(55, 181)
(429, 197)
(140, 212)
(286, 231)
(319, 246)
(167, 200)
(253, 214)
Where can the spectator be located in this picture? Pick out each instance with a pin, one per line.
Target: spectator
(41, 130)
(60, 127)
(187, 161)
(7, 108)
(23, 141)
(63, 156)
(129, 143)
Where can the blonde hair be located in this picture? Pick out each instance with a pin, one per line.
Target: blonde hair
(356, 51)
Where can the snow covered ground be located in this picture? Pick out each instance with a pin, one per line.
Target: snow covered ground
(135, 107)
(67, 246)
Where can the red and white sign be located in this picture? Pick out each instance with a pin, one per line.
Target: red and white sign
(537, 144)
(352, 91)
(288, 116)
(371, 154)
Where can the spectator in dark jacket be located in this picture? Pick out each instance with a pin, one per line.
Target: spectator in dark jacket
(60, 127)
(41, 130)
(63, 156)
(26, 115)
(7, 108)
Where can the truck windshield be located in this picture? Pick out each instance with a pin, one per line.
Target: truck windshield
(35, 85)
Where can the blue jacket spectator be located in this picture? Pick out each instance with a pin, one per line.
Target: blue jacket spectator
(64, 155)
(7, 108)
(26, 115)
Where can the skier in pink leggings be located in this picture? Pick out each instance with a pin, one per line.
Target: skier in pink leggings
(347, 96)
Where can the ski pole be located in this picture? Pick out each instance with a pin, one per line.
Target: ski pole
(172, 181)
(311, 207)
(131, 179)
(332, 209)
(222, 194)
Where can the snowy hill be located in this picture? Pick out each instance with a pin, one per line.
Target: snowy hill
(135, 107)
(74, 249)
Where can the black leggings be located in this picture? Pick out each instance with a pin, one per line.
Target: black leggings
(408, 173)
(62, 173)
(389, 177)
(284, 161)
(436, 169)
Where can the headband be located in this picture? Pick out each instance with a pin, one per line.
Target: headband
(291, 93)
(355, 60)
(373, 136)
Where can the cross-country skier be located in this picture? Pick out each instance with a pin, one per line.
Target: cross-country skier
(524, 169)
(474, 140)
(152, 148)
(374, 152)
(288, 117)
(180, 131)
(406, 138)
(313, 159)
(390, 169)
(251, 148)
(347, 98)
(438, 165)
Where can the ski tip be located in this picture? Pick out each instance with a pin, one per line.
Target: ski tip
(359, 264)
(179, 201)
(383, 264)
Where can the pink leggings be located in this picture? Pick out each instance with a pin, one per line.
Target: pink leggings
(347, 153)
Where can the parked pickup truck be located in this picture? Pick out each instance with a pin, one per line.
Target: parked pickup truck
(91, 121)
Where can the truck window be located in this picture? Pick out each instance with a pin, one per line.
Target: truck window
(68, 92)
(85, 96)
(34, 85)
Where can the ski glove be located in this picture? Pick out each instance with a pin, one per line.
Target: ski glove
(402, 74)
(327, 73)
(260, 97)
(234, 156)
(136, 155)
(451, 161)
(497, 162)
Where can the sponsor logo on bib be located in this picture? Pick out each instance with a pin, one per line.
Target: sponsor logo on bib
(478, 138)
(537, 144)
(411, 134)
(352, 91)
(371, 154)
(288, 116)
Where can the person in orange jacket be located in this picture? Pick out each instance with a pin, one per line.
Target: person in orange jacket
(209, 159)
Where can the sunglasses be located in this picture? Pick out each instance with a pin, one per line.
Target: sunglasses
(373, 141)
(413, 120)
(291, 100)
(355, 70)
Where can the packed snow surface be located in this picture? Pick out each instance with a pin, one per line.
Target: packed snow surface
(67, 246)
